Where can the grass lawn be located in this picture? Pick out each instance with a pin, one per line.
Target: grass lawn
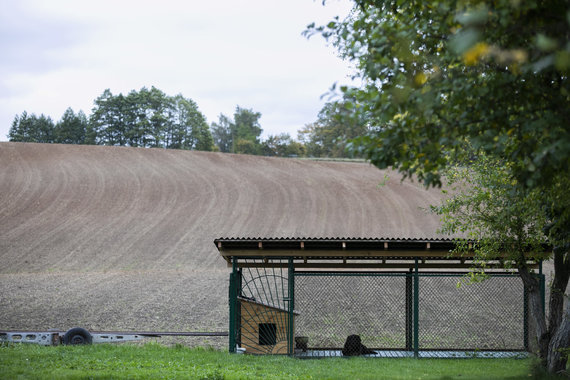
(156, 361)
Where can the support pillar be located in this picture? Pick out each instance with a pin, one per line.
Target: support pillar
(542, 281)
(525, 319)
(416, 308)
(409, 310)
(291, 296)
(233, 294)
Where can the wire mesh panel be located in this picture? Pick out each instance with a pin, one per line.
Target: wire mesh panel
(268, 285)
(379, 307)
(262, 314)
(488, 315)
(333, 306)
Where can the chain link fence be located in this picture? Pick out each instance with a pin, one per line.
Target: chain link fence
(277, 310)
(487, 316)
(332, 306)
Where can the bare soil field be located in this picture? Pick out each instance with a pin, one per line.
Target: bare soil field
(114, 238)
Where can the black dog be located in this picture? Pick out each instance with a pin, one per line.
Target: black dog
(354, 347)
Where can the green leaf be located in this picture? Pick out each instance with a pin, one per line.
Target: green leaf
(464, 40)
(546, 43)
(475, 17)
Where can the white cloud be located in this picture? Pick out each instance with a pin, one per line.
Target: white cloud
(221, 54)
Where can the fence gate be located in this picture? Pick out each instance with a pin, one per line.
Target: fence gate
(261, 306)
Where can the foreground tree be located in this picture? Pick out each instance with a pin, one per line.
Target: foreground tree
(437, 75)
(511, 224)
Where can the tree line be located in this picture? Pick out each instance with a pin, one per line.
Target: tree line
(152, 119)
(145, 118)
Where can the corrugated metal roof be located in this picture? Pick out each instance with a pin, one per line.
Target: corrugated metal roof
(326, 243)
(336, 247)
(382, 239)
(340, 252)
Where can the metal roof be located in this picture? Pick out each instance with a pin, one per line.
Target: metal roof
(342, 243)
(347, 253)
(339, 252)
(249, 238)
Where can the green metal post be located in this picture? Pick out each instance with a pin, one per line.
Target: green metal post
(233, 303)
(409, 310)
(239, 281)
(291, 326)
(525, 319)
(542, 280)
(416, 308)
(238, 293)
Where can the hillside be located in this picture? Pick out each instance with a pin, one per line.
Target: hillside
(124, 236)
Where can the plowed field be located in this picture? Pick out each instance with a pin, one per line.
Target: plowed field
(113, 238)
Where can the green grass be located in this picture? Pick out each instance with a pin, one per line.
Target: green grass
(161, 362)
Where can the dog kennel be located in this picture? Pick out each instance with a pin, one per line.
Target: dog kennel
(304, 297)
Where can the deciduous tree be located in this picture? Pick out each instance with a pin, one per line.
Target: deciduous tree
(150, 118)
(283, 145)
(440, 75)
(223, 134)
(240, 135)
(108, 119)
(512, 223)
(247, 131)
(330, 134)
(437, 72)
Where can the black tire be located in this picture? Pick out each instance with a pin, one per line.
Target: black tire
(77, 335)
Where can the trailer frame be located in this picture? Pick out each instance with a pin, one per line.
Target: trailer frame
(78, 335)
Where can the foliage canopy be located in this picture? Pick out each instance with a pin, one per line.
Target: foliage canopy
(437, 73)
(149, 118)
(481, 86)
(330, 134)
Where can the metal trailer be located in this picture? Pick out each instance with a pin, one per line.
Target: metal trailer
(79, 335)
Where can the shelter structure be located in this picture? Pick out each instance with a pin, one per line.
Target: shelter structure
(305, 296)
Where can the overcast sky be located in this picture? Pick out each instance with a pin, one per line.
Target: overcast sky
(56, 54)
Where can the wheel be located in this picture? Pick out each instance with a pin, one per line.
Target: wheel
(77, 335)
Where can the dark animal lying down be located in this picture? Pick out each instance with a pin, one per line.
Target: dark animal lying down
(354, 347)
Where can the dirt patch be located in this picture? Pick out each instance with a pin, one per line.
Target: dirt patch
(116, 301)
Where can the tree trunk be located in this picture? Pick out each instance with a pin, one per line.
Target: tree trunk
(559, 324)
(532, 286)
(560, 344)
(559, 283)
(556, 336)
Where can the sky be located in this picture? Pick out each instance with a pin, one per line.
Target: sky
(56, 54)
